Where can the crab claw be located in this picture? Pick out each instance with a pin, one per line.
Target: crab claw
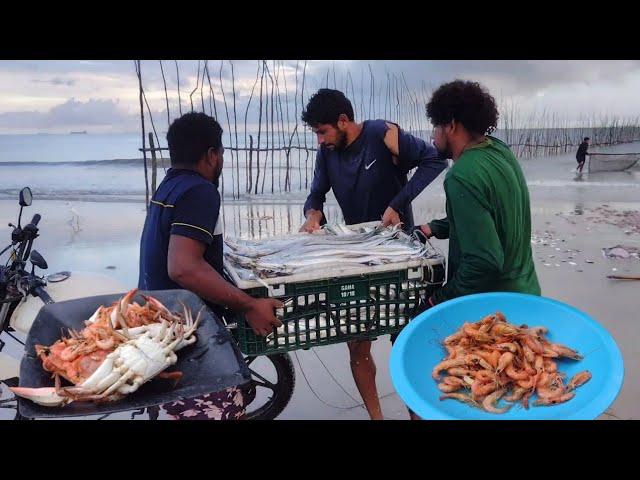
(127, 300)
(158, 305)
(118, 315)
(95, 316)
(42, 396)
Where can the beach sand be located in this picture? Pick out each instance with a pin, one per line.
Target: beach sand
(571, 224)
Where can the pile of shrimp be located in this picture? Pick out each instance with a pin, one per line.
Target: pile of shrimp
(493, 359)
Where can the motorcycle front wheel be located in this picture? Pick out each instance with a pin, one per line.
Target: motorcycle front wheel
(271, 387)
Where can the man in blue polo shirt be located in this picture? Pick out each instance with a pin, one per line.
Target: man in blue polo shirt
(181, 246)
(366, 165)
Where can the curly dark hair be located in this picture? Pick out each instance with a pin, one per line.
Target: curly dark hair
(190, 136)
(466, 102)
(325, 106)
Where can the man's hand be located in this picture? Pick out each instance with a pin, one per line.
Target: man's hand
(422, 232)
(423, 305)
(314, 217)
(261, 316)
(426, 229)
(390, 217)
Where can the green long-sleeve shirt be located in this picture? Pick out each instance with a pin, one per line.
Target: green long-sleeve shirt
(488, 224)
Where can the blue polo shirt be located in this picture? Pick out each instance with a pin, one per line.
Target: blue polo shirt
(365, 180)
(185, 204)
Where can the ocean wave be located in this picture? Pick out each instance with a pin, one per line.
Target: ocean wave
(83, 163)
(574, 183)
(280, 164)
(136, 196)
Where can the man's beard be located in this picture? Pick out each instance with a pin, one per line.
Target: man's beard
(445, 151)
(217, 176)
(341, 142)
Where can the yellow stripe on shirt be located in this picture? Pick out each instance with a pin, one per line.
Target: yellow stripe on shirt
(193, 226)
(162, 204)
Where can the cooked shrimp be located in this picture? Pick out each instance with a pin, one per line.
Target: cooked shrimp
(516, 395)
(550, 366)
(529, 354)
(485, 328)
(533, 343)
(484, 375)
(485, 355)
(454, 362)
(489, 402)
(554, 400)
(579, 379)
(548, 352)
(495, 359)
(505, 360)
(447, 388)
(489, 320)
(528, 368)
(530, 383)
(512, 347)
(566, 351)
(525, 399)
(516, 374)
(479, 389)
(504, 329)
(472, 359)
(536, 331)
(462, 397)
(539, 364)
(473, 332)
(454, 381)
(458, 372)
(453, 338)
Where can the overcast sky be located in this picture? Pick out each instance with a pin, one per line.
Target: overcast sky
(102, 96)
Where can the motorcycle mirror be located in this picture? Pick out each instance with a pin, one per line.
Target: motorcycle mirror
(25, 197)
(37, 260)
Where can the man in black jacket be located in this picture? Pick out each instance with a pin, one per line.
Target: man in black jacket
(582, 153)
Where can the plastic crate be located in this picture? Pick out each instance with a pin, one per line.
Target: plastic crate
(335, 310)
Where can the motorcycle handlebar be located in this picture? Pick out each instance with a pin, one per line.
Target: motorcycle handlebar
(44, 296)
(36, 219)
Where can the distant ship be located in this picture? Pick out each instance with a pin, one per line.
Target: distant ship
(83, 132)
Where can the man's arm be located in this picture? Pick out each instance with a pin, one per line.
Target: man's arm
(437, 228)
(188, 268)
(195, 215)
(482, 256)
(410, 152)
(320, 185)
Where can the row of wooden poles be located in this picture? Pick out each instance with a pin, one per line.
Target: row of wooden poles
(279, 132)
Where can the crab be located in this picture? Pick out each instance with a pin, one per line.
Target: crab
(105, 363)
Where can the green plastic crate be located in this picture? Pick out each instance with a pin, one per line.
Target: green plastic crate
(335, 310)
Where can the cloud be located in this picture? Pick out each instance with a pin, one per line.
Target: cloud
(502, 77)
(107, 91)
(103, 115)
(56, 81)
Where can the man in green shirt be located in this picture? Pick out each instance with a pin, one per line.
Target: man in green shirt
(488, 221)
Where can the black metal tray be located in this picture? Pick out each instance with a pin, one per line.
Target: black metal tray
(211, 364)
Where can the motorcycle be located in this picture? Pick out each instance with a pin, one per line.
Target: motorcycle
(23, 293)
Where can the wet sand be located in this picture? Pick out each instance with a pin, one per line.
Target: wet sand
(571, 224)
